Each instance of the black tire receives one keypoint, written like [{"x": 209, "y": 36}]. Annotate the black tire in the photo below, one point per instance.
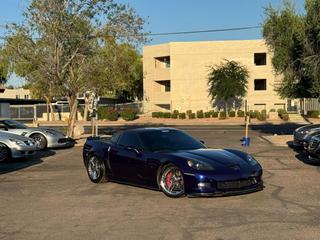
[
  {"x": 175, "y": 179},
  {"x": 95, "y": 169},
  {"x": 40, "y": 139},
  {"x": 4, "y": 153}
]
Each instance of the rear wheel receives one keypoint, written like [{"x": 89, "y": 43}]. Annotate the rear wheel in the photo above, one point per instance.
[
  {"x": 40, "y": 140},
  {"x": 96, "y": 169},
  {"x": 4, "y": 152},
  {"x": 171, "y": 181}
]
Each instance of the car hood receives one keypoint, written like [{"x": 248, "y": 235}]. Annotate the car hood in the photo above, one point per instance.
[
  {"x": 7, "y": 135},
  {"x": 218, "y": 158},
  {"x": 42, "y": 129},
  {"x": 308, "y": 127}
]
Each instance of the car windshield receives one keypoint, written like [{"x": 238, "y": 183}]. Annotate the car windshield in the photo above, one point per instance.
[
  {"x": 168, "y": 140},
  {"x": 14, "y": 124}
]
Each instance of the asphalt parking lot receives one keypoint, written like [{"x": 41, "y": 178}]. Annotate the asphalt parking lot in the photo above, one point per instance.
[{"x": 51, "y": 198}]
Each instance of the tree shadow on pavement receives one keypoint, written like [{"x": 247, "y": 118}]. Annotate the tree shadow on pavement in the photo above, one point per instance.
[
  {"x": 21, "y": 163},
  {"x": 280, "y": 129}
]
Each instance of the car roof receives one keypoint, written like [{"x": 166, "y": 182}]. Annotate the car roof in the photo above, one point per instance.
[{"x": 149, "y": 129}]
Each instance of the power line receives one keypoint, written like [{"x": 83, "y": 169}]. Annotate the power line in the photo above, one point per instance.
[{"x": 188, "y": 32}]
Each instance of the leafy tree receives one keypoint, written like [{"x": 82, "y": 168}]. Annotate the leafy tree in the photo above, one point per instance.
[
  {"x": 61, "y": 42},
  {"x": 294, "y": 40},
  {"x": 4, "y": 68},
  {"x": 228, "y": 83}
]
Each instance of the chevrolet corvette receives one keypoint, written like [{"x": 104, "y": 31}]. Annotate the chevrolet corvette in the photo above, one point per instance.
[{"x": 172, "y": 161}]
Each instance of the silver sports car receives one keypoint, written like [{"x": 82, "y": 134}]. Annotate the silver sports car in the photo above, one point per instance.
[
  {"x": 15, "y": 146},
  {"x": 45, "y": 137}
]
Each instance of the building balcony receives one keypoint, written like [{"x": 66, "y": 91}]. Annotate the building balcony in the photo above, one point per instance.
[{"x": 161, "y": 74}]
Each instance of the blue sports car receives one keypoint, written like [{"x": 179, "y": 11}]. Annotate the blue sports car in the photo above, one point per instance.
[{"x": 172, "y": 161}]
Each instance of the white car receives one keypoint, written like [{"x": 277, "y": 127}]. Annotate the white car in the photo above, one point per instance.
[{"x": 16, "y": 146}]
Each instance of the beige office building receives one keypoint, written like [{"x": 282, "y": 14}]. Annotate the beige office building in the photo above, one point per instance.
[{"x": 175, "y": 74}]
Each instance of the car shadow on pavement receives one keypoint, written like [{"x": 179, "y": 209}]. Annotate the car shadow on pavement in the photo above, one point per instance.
[
  {"x": 13, "y": 165},
  {"x": 302, "y": 155},
  {"x": 280, "y": 129}
]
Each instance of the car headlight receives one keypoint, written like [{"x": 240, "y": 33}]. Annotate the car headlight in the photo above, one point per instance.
[
  {"x": 52, "y": 133},
  {"x": 251, "y": 160},
  {"x": 18, "y": 142},
  {"x": 198, "y": 165}
]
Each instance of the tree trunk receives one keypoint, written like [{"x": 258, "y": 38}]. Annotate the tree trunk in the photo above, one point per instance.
[
  {"x": 53, "y": 117},
  {"x": 86, "y": 109},
  {"x": 73, "y": 103},
  {"x": 47, "y": 105},
  {"x": 226, "y": 109}
]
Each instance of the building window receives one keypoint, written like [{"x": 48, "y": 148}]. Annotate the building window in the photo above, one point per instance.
[
  {"x": 26, "y": 96},
  {"x": 260, "y": 59},
  {"x": 162, "y": 62},
  {"x": 260, "y": 84},
  {"x": 17, "y": 96},
  {"x": 165, "y": 85},
  {"x": 164, "y": 106}
]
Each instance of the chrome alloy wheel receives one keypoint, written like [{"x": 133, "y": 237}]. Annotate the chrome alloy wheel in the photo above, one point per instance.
[
  {"x": 94, "y": 168},
  {"x": 172, "y": 182}
]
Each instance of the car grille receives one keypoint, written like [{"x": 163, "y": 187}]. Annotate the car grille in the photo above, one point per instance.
[
  {"x": 236, "y": 184},
  {"x": 313, "y": 144}
]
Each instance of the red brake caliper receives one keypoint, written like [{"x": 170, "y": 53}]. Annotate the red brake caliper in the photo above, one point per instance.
[{"x": 168, "y": 179}]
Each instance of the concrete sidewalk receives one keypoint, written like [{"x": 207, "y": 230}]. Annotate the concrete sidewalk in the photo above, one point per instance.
[{"x": 279, "y": 140}]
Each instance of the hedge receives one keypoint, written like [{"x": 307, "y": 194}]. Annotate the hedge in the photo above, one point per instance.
[
  {"x": 313, "y": 114},
  {"x": 128, "y": 114},
  {"x": 200, "y": 114}
]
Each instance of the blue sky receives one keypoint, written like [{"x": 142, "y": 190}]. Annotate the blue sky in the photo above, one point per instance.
[{"x": 179, "y": 15}]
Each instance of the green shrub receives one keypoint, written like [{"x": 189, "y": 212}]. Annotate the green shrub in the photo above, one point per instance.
[
  {"x": 262, "y": 116},
  {"x": 232, "y": 114},
  {"x": 254, "y": 114},
  {"x": 174, "y": 115},
  {"x": 215, "y": 114},
  {"x": 313, "y": 114},
  {"x": 222, "y": 115},
  {"x": 240, "y": 113},
  {"x": 176, "y": 112},
  {"x": 283, "y": 114},
  {"x": 110, "y": 114},
  {"x": 200, "y": 114},
  {"x": 182, "y": 115},
  {"x": 128, "y": 114},
  {"x": 166, "y": 115},
  {"x": 207, "y": 114},
  {"x": 192, "y": 116},
  {"x": 264, "y": 111},
  {"x": 272, "y": 110},
  {"x": 157, "y": 114},
  {"x": 189, "y": 112},
  {"x": 281, "y": 111}
]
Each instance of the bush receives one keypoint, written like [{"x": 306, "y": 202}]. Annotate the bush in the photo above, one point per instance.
[
  {"x": 166, "y": 115},
  {"x": 108, "y": 113},
  {"x": 207, "y": 114},
  {"x": 264, "y": 111},
  {"x": 254, "y": 114},
  {"x": 262, "y": 116},
  {"x": 157, "y": 114},
  {"x": 189, "y": 112},
  {"x": 222, "y": 115},
  {"x": 200, "y": 114},
  {"x": 232, "y": 114},
  {"x": 192, "y": 116},
  {"x": 240, "y": 113},
  {"x": 174, "y": 115},
  {"x": 182, "y": 115},
  {"x": 215, "y": 114},
  {"x": 283, "y": 114},
  {"x": 272, "y": 110},
  {"x": 128, "y": 114},
  {"x": 313, "y": 114},
  {"x": 176, "y": 112}
]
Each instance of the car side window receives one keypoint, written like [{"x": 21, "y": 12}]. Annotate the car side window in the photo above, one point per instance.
[
  {"x": 130, "y": 140},
  {"x": 115, "y": 137}
]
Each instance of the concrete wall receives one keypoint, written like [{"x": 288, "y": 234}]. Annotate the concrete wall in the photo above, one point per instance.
[{"x": 189, "y": 67}]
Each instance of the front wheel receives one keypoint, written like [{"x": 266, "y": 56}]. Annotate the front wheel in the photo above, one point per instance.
[
  {"x": 96, "y": 170},
  {"x": 40, "y": 140},
  {"x": 4, "y": 152},
  {"x": 171, "y": 181}
]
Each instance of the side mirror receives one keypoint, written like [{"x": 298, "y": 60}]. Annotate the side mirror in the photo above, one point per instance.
[{"x": 134, "y": 149}]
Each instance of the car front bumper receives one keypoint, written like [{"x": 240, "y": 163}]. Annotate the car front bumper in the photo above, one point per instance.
[
  {"x": 209, "y": 186},
  {"x": 60, "y": 142},
  {"x": 23, "y": 151}
]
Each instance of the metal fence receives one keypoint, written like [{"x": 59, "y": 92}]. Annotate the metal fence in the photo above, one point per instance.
[
  {"x": 309, "y": 104},
  {"x": 31, "y": 112}
]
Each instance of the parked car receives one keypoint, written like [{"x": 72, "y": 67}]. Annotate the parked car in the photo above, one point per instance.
[
  {"x": 314, "y": 149},
  {"x": 46, "y": 137},
  {"x": 170, "y": 160},
  {"x": 303, "y": 135},
  {"x": 16, "y": 146}
]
